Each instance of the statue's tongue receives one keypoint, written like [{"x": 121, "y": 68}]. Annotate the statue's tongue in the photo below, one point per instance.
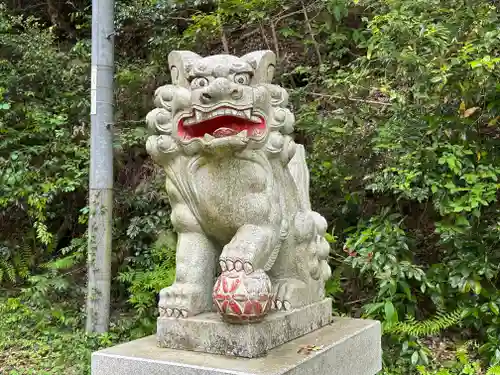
[{"x": 224, "y": 132}]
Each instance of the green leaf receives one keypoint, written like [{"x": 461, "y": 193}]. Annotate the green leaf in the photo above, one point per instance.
[
  {"x": 337, "y": 129},
  {"x": 391, "y": 315},
  {"x": 494, "y": 308},
  {"x": 414, "y": 358}
]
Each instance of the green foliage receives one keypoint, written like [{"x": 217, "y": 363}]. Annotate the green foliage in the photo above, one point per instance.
[
  {"x": 397, "y": 102},
  {"x": 42, "y": 154},
  {"x": 464, "y": 364},
  {"x": 146, "y": 283},
  {"x": 35, "y": 340}
]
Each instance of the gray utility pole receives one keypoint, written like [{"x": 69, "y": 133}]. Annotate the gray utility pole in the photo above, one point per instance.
[{"x": 101, "y": 167}]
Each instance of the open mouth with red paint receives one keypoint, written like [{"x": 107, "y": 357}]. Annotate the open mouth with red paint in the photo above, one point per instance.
[{"x": 221, "y": 122}]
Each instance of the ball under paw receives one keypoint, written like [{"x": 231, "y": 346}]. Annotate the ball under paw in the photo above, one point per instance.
[{"x": 242, "y": 298}]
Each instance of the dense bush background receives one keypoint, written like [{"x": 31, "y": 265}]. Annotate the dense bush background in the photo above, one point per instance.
[{"x": 397, "y": 102}]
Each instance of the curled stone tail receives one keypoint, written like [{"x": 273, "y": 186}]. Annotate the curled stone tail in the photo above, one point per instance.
[{"x": 300, "y": 173}]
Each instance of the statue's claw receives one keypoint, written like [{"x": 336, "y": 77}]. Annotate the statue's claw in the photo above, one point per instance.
[
  {"x": 229, "y": 264},
  {"x": 176, "y": 313},
  {"x": 248, "y": 268},
  {"x": 282, "y": 305}
]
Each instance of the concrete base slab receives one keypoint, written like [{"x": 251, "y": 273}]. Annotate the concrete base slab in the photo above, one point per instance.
[
  {"x": 344, "y": 347},
  {"x": 208, "y": 333}
]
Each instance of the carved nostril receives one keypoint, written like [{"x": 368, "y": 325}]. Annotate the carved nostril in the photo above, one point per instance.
[
  {"x": 236, "y": 93},
  {"x": 206, "y": 96}
]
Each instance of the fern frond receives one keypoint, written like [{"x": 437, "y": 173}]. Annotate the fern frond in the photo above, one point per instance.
[
  {"x": 63, "y": 263},
  {"x": 427, "y": 327},
  {"x": 463, "y": 351},
  {"x": 493, "y": 370},
  {"x": 26, "y": 252},
  {"x": 9, "y": 271},
  {"x": 20, "y": 265},
  {"x": 15, "y": 262},
  {"x": 22, "y": 260}
]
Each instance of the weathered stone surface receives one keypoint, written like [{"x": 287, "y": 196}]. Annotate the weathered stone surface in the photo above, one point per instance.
[
  {"x": 347, "y": 347},
  {"x": 207, "y": 333},
  {"x": 239, "y": 190}
]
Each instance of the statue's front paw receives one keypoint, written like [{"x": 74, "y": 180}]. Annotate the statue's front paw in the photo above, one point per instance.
[
  {"x": 238, "y": 256},
  {"x": 249, "y": 250},
  {"x": 183, "y": 300}
]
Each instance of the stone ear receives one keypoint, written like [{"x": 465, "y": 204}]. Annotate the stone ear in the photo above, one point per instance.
[
  {"x": 180, "y": 63},
  {"x": 263, "y": 63}
]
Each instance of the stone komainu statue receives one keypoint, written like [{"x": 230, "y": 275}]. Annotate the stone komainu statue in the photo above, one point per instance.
[{"x": 239, "y": 190}]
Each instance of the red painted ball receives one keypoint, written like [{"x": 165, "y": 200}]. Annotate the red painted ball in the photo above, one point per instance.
[{"x": 242, "y": 298}]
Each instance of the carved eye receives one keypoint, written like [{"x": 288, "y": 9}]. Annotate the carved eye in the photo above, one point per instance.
[
  {"x": 199, "y": 82},
  {"x": 242, "y": 78}
]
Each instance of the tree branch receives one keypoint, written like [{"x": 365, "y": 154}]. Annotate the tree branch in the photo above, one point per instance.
[
  {"x": 275, "y": 40},
  {"x": 326, "y": 96},
  {"x": 311, "y": 33},
  {"x": 223, "y": 36},
  {"x": 263, "y": 33}
]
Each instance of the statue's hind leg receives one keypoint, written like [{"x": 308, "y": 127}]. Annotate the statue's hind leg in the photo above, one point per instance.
[{"x": 301, "y": 270}]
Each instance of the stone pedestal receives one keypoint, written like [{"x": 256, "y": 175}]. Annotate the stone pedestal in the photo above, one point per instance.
[
  {"x": 343, "y": 347},
  {"x": 208, "y": 333}
]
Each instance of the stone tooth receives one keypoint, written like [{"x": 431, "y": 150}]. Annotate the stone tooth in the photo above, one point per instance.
[
  {"x": 199, "y": 115},
  {"x": 248, "y": 113},
  {"x": 208, "y": 137},
  {"x": 258, "y": 132},
  {"x": 243, "y": 134},
  {"x": 255, "y": 119}
]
